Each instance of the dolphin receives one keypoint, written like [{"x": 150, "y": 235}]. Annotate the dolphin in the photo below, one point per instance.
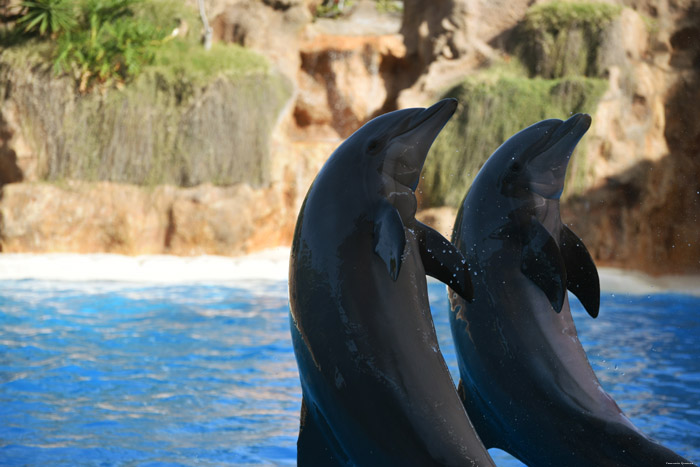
[
  {"x": 525, "y": 380},
  {"x": 376, "y": 389}
]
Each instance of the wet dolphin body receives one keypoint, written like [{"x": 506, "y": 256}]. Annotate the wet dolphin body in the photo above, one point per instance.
[
  {"x": 376, "y": 389},
  {"x": 525, "y": 379}
]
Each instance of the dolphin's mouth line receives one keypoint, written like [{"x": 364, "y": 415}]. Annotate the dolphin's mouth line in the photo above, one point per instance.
[
  {"x": 577, "y": 123},
  {"x": 549, "y": 141},
  {"x": 397, "y": 186},
  {"x": 405, "y": 168},
  {"x": 547, "y": 170},
  {"x": 430, "y": 111},
  {"x": 424, "y": 116}
]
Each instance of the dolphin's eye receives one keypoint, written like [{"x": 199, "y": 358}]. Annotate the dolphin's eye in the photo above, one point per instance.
[
  {"x": 373, "y": 146},
  {"x": 515, "y": 167}
]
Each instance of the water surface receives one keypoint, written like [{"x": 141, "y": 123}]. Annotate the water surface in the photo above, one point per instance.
[{"x": 105, "y": 373}]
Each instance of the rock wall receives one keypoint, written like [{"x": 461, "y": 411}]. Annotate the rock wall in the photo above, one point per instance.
[
  {"x": 633, "y": 192},
  {"x": 646, "y": 215},
  {"x": 126, "y": 219},
  {"x": 635, "y": 201}
]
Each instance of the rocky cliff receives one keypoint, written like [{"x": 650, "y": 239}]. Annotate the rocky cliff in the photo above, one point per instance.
[{"x": 633, "y": 192}]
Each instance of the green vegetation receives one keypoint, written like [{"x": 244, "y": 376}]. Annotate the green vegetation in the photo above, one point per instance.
[
  {"x": 651, "y": 24},
  {"x": 99, "y": 42},
  {"x": 389, "y": 6},
  {"x": 47, "y": 16},
  {"x": 163, "y": 112},
  {"x": 560, "y": 39},
  {"x": 556, "y": 71},
  {"x": 332, "y": 8},
  {"x": 560, "y": 16},
  {"x": 180, "y": 62},
  {"x": 495, "y": 106},
  {"x": 336, "y": 8},
  {"x": 108, "y": 44}
]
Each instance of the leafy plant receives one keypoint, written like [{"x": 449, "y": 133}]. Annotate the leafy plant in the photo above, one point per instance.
[
  {"x": 47, "y": 16},
  {"x": 110, "y": 44}
]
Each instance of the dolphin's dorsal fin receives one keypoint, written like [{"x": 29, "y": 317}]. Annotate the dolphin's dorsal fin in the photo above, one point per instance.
[
  {"x": 389, "y": 237},
  {"x": 581, "y": 274},
  {"x": 443, "y": 261},
  {"x": 543, "y": 264}
]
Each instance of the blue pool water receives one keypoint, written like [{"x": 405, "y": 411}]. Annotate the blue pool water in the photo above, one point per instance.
[{"x": 120, "y": 374}]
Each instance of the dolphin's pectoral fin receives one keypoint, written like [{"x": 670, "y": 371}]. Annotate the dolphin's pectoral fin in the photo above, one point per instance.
[
  {"x": 443, "y": 261},
  {"x": 389, "y": 237},
  {"x": 543, "y": 264},
  {"x": 312, "y": 446},
  {"x": 581, "y": 273}
]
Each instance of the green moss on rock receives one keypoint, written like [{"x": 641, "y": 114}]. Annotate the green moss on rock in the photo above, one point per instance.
[
  {"x": 493, "y": 108},
  {"x": 560, "y": 39},
  {"x": 556, "y": 16}
]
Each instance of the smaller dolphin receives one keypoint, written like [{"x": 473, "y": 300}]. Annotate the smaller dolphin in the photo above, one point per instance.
[
  {"x": 525, "y": 379},
  {"x": 376, "y": 389}
]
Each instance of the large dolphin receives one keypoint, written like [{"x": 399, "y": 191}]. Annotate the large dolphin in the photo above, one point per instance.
[
  {"x": 525, "y": 379},
  {"x": 376, "y": 389}
]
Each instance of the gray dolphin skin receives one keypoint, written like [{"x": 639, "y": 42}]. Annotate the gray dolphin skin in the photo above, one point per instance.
[
  {"x": 376, "y": 389},
  {"x": 525, "y": 380}
]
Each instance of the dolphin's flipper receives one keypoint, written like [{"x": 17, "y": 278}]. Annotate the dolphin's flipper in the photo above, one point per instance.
[
  {"x": 581, "y": 273},
  {"x": 443, "y": 261},
  {"x": 389, "y": 237},
  {"x": 312, "y": 447},
  {"x": 543, "y": 264}
]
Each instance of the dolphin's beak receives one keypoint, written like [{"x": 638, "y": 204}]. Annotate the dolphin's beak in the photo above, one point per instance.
[
  {"x": 409, "y": 150},
  {"x": 547, "y": 170}
]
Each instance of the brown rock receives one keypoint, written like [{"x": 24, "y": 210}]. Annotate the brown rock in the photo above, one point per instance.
[
  {"x": 80, "y": 217},
  {"x": 628, "y": 125},
  {"x": 343, "y": 80},
  {"x": 646, "y": 216},
  {"x": 449, "y": 38},
  {"x": 9, "y": 168},
  {"x": 455, "y": 29},
  {"x": 441, "y": 219},
  {"x": 269, "y": 28},
  {"x": 227, "y": 221},
  {"x": 18, "y": 159},
  {"x": 125, "y": 219},
  {"x": 640, "y": 210}
]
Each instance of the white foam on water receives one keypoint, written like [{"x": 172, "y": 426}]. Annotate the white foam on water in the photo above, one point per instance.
[
  {"x": 265, "y": 265},
  {"x": 613, "y": 280}
]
